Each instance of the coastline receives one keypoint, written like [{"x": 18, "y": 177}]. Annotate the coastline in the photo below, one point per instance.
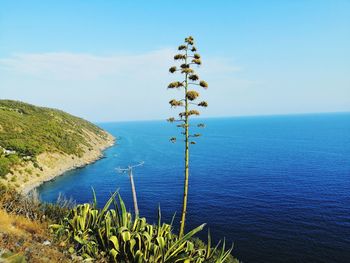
[
  {"x": 61, "y": 163},
  {"x": 55, "y": 164}
]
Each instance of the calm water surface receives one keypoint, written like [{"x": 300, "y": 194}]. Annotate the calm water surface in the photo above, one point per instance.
[{"x": 277, "y": 186}]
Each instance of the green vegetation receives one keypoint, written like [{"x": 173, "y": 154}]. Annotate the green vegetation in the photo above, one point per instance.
[
  {"x": 189, "y": 57},
  {"x": 6, "y": 162},
  {"x": 87, "y": 232},
  {"x": 27, "y": 130},
  {"x": 113, "y": 233}
]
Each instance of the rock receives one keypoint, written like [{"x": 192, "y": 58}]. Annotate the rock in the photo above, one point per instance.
[{"x": 46, "y": 243}]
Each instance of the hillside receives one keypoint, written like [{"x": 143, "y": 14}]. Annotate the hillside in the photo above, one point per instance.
[{"x": 37, "y": 143}]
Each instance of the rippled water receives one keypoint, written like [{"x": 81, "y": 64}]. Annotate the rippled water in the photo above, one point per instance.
[{"x": 277, "y": 186}]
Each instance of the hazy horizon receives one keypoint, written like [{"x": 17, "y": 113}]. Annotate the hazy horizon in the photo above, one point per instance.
[
  {"x": 230, "y": 116},
  {"x": 201, "y": 117}
]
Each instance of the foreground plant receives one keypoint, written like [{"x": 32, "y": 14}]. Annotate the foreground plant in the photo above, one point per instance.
[
  {"x": 189, "y": 58},
  {"x": 115, "y": 234}
]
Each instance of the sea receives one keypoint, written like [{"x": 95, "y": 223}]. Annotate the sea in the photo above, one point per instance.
[{"x": 276, "y": 187}]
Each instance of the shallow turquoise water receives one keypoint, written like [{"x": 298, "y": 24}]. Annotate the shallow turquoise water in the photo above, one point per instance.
[{"x": 276, "y": 186}]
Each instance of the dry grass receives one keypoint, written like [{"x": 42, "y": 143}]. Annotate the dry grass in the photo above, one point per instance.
[
  {"x": 28, "y": 226},
  {"x": 6, "y": 224},
  {"x": 24, "y": 232},
  {"x": 25, "y": 238}
]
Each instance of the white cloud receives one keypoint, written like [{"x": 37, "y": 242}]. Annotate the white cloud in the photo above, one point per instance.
[
  {"x": 114, "y": 87},
  {"x": 65, "y": 66},
  {"x": 133, "y": 86}
]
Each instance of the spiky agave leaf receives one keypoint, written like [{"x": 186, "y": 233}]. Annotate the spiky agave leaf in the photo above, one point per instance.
[
  {"x": 174, "y": 247},
  {"x": 94, "y": 203},
  {"x": 208, "y": 249}
]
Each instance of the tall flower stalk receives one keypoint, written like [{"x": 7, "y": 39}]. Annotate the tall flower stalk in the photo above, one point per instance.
[{"x": 188, "y": 58}]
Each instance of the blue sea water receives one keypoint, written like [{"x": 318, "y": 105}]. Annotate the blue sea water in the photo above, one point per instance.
[{"x": 276, "y": 186}]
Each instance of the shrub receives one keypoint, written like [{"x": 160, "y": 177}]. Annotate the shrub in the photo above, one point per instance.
[
  {"x": 29, "y": 171},
  {"x": 59, "y": 210},
  {"x": 4, "y": 166},
  {"x": 31, "y": 207},
  {"x": 15, "y": 203}
]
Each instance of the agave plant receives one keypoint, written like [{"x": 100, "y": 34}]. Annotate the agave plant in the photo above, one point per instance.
[
  {"x": 114, "y": 233},
  {"x": 188, "y": 103}
]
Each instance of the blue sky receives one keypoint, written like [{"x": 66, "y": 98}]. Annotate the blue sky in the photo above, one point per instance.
[{"x": 108, "y": 60}]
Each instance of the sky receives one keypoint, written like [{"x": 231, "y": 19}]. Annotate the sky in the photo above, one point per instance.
[{"x": 109, "y": 60}]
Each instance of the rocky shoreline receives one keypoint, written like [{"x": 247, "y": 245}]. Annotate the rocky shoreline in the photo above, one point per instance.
[
  {"x": 56, "y": 164},
  {"x": 52, "y": 165}
]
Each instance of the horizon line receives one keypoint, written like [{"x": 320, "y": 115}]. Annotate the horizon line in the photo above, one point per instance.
[{"x": 235, "y": 116}]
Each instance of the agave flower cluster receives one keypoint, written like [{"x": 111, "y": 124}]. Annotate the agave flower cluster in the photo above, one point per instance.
[{"x": 188, "y": 58}]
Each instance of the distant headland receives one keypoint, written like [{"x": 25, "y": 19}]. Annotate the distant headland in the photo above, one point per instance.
[{"x": 37, "y": 144}]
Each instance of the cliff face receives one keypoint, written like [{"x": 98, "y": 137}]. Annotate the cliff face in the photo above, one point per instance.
[{"x": 37, "y": 144}]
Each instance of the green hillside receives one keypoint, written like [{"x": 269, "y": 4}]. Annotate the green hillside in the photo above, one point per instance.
[{"x": 27, "y": 130}]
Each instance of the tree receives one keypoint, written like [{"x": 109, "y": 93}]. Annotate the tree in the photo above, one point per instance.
[{"x": 188, "y": 57}]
